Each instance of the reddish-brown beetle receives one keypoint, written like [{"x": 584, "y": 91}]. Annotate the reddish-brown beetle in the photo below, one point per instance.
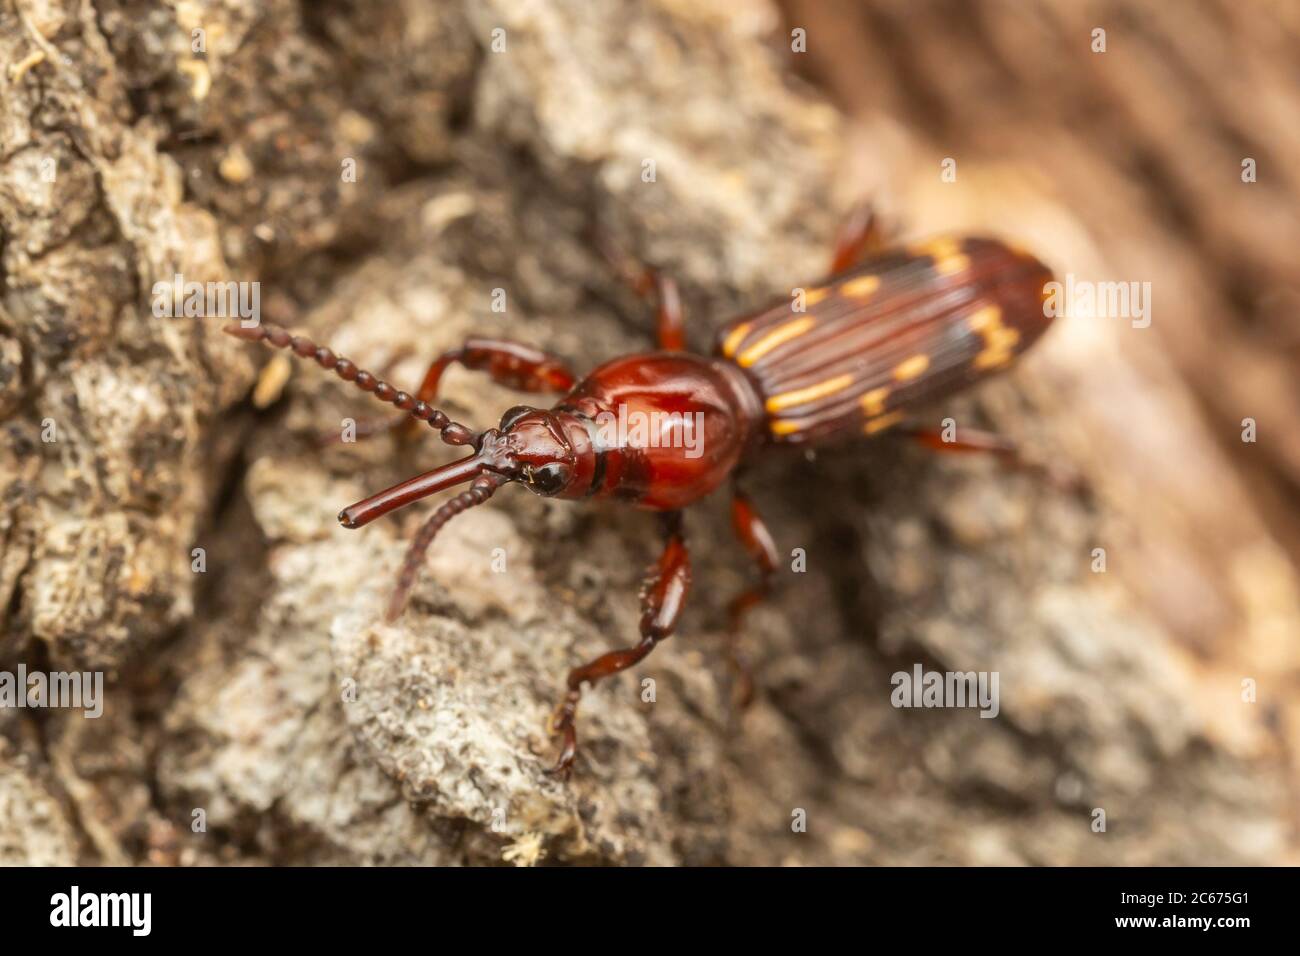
[{"x": 847, "y": 357}]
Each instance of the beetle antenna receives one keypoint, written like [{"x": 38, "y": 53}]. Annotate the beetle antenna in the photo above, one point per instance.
[
  {"x": 453, "y": 433},
  {"x": 480, "y": 491}
]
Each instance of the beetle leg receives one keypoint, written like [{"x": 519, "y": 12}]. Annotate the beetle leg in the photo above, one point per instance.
[
  {"x": 508, "y": 363},
  {"x": 663, "y": 594},
  {"x": 860, "y": 233},
  {"x": 670, "y": 319},
  {"x": 753, "y": 534},
  {"x": 670, "y": 323},
  {"x": 974, "y": 440}
]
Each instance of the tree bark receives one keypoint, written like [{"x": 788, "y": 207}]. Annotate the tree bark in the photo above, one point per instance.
[{"x": 381, "y": 170}]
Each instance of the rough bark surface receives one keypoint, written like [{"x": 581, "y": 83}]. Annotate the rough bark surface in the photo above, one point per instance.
[{"x": 265, "y": 691}]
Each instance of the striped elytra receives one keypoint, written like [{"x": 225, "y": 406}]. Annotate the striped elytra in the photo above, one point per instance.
[{"x": 904, "y": 328}]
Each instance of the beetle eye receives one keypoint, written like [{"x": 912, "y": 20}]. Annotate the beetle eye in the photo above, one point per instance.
[
  {"x": 513, "y": 415},
  {"x": 549, "y": 479}
]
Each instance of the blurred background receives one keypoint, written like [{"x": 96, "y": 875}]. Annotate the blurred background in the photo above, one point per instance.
[
  {"x": 1127, "y": 164},
  {"x": 381, "y": 171}
]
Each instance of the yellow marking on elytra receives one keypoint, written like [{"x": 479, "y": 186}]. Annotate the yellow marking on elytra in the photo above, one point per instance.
[
  {"x": 999, "y": 340},
  {"x": 912, "y": 367},
  {"x": 813, "y": 296},
  {"x": 733, "y": 340},
  {"x": 883, "y": 422},
  {"x": 784, "y": 426},
  {"x": 861, "y": 287},
  {"x": 873, "y": 402},
  {"x": 778, "y": 336},
  {"x": 946, "y": 253},
  {"x": 801, "y": 395}
]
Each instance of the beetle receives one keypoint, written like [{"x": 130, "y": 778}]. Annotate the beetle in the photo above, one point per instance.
[{"x": 888, "y": 330}]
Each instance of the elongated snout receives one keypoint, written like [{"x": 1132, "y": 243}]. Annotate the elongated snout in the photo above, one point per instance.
[{"x": 413, "y": 489}]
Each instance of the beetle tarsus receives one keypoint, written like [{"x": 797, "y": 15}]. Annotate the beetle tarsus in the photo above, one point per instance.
[{"x": 662, "y": 597}]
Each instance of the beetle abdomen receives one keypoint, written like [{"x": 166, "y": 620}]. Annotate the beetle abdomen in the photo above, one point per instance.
[{"x": 905, "y": 328}]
